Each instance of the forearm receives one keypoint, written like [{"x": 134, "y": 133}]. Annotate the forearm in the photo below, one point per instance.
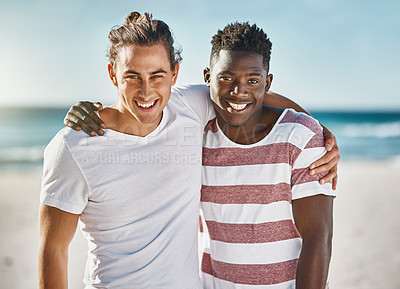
[
  {"x": 313, "y": 264},
  {"x": 53, "y": 267},
  {"x": 277, "y": 100}
]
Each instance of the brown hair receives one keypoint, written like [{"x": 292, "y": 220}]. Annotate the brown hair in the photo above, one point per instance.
[{"x": 142, "y": 29}]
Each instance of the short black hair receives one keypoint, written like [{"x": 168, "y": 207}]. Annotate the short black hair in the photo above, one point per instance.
[{"x": 242, "y": 37}]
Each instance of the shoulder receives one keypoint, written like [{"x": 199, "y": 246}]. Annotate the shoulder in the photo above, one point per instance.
[
  {"x": 191, "y": 93},
  {"x": 303, "y": 130},
  {"x": 302, "y": 120},
  {"x": 67, "y": 138},
  {"x": 70, "y": 136},
  {"x": 186, "y": 94},
  {"x": 188, "y": 90},
  {"x": 196, "y": 97}
]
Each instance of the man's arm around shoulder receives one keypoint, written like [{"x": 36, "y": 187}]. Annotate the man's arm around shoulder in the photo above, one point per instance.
[{"x": 57, "y": 228}]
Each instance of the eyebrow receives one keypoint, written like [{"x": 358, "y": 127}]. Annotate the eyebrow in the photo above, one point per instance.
[
  {"x": 226, "y": 72},
  {"x": 152, "y": 73},
  {"x": 250, "y": 74},
  {"x": 255, "y": 74}
]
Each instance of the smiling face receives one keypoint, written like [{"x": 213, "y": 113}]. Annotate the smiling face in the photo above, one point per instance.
[
  {"x": 144, "y": 78},
  {"x": 238, "y": 81}
]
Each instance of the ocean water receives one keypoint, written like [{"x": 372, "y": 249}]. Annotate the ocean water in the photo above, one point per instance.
[
  {"x": 364, "y": 135},
  {"x": 24, "y": 133}
]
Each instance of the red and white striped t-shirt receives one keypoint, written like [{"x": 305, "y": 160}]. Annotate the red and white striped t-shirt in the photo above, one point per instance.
[{"x": 246, "y": 198}]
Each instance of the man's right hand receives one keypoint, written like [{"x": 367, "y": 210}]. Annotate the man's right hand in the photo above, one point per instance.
[{"x": 82, "y": 116}]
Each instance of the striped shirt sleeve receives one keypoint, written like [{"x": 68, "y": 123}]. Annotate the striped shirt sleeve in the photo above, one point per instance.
[{"x": 304, "y": 185}]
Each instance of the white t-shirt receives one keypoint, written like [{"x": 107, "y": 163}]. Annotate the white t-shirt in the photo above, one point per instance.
[{"x": 138, "y": 197}]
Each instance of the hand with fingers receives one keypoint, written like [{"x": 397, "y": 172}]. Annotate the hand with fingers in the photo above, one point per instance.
[
  {"x": 329, "y": 162},
  {"x": 82, "y": 116}
]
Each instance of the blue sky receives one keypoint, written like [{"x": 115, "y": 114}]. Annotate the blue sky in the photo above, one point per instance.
[{"x": 325, "y": 55}]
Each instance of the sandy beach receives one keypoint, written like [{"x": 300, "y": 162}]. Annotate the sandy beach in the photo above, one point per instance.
[{"x": 366, "y": 252}]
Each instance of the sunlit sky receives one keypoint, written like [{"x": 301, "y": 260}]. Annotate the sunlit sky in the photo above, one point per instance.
[{"x": 334, "y": 54}]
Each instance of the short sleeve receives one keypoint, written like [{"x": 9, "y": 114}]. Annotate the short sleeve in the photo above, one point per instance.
[
  {"x": 63, "y": 185},
  {"x": 198, "y": 99},
  {"x": 304, "y": 185}
]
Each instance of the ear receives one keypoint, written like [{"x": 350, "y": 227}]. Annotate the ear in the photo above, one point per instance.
[
  {"x": 268, "y": 82},
  {"x": 207, "y": 76},
  {"x": 112, "y": 75},
  {"x": 175, "y": 73}
]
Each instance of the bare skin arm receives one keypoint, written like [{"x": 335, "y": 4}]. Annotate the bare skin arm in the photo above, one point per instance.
[
  {"x": 313, "y": 218},
  {"x": 57, "y": 228},
  {"x": 330, "y": 160},
  {"x": 278, "y": 100}
]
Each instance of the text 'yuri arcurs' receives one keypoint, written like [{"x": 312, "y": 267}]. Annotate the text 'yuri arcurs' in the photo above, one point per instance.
[{"x": 142, "y": 158}]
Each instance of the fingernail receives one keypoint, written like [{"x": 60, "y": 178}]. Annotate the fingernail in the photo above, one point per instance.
[
  {"x": 322, "y": 182},
  {"x": 312, "y": 166},
  {"x": 328, "y": 147},
  {"x": 103, "y": 125},
  {"x": 101, "y": 132},
  {"x": 312, "y": 173},
  {"x": 92, "y": 133}
]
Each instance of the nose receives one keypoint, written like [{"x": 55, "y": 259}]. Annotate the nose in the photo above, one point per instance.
[
  {"x": 145, "y": 89},
  {"x": 239, "y": 90}
]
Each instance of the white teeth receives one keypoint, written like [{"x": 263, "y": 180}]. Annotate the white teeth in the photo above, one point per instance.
[
  {"x": 237, "y": 106},
  {"x": 145, "y": 105}
]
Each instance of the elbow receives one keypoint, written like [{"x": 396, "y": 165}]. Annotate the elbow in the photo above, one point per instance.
[
  {"x": 327, "y": 242},
  {"x": 320, "y": 240},
  {"x": 51, "y": 253}
]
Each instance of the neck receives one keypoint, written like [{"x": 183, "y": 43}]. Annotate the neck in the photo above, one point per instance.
[
  {"x": 253, "y": 130},
  {"x": 117, "y": 118}
]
